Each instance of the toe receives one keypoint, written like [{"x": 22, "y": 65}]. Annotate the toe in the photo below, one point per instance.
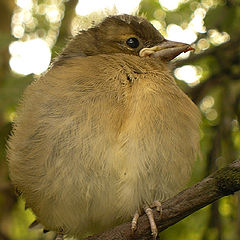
[
  {"x": 158, "y": 206},
  {"x": 134, "y": 221},
  {"x": 150, "y": 216}
]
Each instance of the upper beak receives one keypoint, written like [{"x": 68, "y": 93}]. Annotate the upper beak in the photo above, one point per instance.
[{"x": 166, "y": 50}]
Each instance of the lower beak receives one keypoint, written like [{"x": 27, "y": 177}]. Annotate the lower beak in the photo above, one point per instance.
[{"x": 166, "y": 50}]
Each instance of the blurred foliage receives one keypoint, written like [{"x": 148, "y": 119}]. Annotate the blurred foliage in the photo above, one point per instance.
[{"x": 217, "y": 94}]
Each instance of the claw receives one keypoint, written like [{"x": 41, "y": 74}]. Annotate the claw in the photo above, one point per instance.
[{"x": 134, "y": 221}]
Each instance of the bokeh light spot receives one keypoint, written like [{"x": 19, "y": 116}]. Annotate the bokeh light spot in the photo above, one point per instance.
[
  {"x": 53, "y": 14},
  {"x": 18, "y": 31},
  {"x": 207, "y": 103},
  {"x": 217, "y": 38},
  {"x": 203, "y": 44},
  {"x": 188, "y": 74},
  {"x": 31, "y": 56},
  {"x": 156, "y": 24},
  {"x": 84, "y": 8},
  {"x": 170, "y": 5},
  {"x": 211, "y": 114},
  {"x": 26, "y": 4},
  {"x": 176, "y": 33}
]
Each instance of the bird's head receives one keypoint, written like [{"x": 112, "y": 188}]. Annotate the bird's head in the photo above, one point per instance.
[{"x": 124, "y": 34}]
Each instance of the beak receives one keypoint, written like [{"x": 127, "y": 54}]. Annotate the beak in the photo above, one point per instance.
[{"x": 166, "y": 50}]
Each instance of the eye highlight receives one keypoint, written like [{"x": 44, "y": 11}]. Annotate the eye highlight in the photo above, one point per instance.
[{"x": 132, "y": 42}]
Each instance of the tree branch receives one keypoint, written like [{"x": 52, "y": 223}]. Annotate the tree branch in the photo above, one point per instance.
[{"x": 221, "y": 183}]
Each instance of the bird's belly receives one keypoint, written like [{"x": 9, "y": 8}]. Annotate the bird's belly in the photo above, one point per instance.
[
  {"x": 106, "y": 190},
  {"x": 93, "y": 177},
  {"x": 100, "y": 199}
]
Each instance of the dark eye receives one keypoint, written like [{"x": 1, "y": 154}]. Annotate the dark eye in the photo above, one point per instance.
[{"x": 132, "y": 42}]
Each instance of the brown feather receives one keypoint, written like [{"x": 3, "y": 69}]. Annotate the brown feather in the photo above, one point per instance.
[{"x": 103, "y": 132}]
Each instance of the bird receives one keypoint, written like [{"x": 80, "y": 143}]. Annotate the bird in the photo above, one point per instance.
[{"x": 106, "y": 132}]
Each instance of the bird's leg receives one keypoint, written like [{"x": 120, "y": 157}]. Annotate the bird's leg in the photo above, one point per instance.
[
  {"x": 59, "y": 236},
  {"x": 149, "y": 213}
]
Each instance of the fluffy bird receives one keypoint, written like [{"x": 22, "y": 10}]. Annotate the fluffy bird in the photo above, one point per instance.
[{"x": 105, "y": 132}]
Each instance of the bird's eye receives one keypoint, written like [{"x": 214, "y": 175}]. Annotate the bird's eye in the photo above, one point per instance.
[{"x": 132, "y": 42}]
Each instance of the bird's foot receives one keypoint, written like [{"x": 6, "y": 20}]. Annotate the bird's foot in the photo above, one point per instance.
[
  {"x": 134, "y": 221},
  {"x": 59, "y": 236},
  {"x": 148, "y": 211},
  {"x": 157, "y": 204}
]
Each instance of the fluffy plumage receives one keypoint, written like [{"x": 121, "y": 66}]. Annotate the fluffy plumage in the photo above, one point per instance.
[{"x": 103, "y": 132}]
